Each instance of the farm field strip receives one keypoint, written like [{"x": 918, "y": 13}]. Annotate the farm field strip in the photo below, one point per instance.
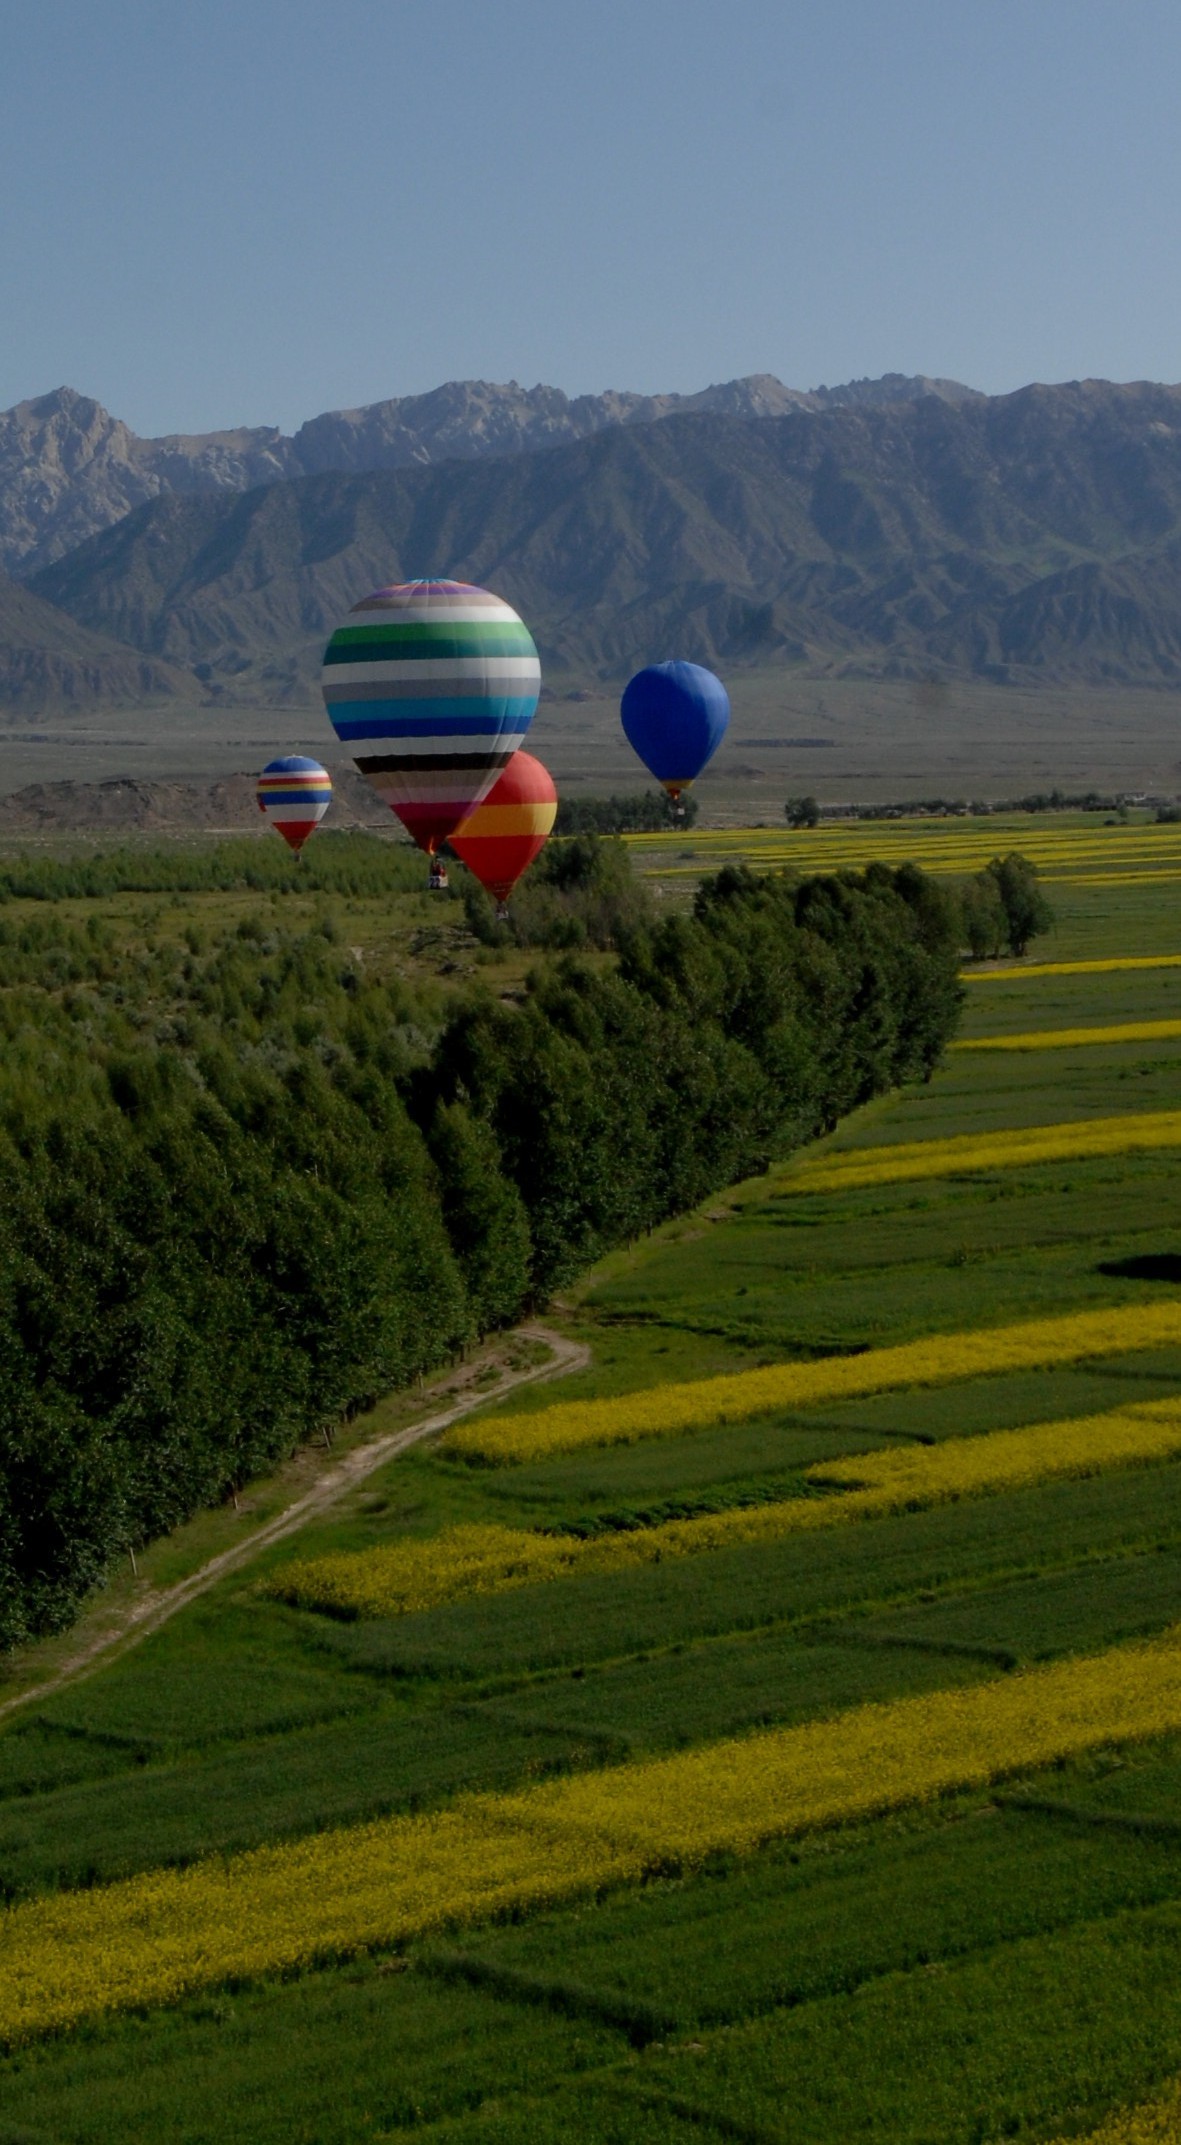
[
  {"x": 939, "y": 1359},
  {"x": 658, "y": 1716},
  {"x": 1130, "y": 877},
  {"x": 1131, "y": 1031},
  {"x": 856, "y": 1167},
  {"x": 1073, "y": 857},
  {"x": 921, "y": 830},
  {"x": 1022, "y": 971},
  {"x": 835, "y": 852},
  {"x": 1132, "y": 872},
  {"x": 1151, "y": 2122},
  {"x": 403, "y": 1578},
  {"x": 152, "y": 1939},
  {"x": 931, "y": 838}
]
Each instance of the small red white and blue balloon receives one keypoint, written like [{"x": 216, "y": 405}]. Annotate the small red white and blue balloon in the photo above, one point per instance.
[{"x": 294, "y": 794}]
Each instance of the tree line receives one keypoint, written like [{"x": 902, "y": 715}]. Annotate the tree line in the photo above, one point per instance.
[
  {"x": 644, "y": 812},
  {"x": 246, "y": 1188},
  {"x": 335, "y": 863},
  {"x": 583, "y": 892}
]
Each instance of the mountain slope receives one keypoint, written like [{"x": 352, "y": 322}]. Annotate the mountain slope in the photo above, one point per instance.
[
  {"x": 1037, "y": 533},
  {"x": 68, "y": 469},
  {"x": 48, "y": 660}
]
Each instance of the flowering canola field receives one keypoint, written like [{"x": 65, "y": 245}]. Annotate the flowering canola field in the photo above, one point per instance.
[
  {"x": 1071, "y": 854},
  {"x": 404, "y": 1577},
  {"x": 1114, "y": 964},
  {"x": 1130, "y": 1031},
  {"x": 704, "y": 1403},
  {"x": 68, "y": 1956},
  {"x": 1131, "y": 875},
  {"x": 1153, "y": 2122},
  {"x": 156, "y": 1937},
  {"x": 913, "y": 1159}
]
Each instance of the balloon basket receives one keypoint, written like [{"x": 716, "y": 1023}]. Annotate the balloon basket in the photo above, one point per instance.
[{"x": 438, "y": 881}]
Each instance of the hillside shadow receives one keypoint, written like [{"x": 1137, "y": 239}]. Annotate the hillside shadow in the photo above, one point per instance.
[{"x": 1145, "y": 1266}]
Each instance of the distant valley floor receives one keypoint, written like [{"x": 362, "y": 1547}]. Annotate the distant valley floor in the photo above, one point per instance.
[{"x": 837, "y": 739}]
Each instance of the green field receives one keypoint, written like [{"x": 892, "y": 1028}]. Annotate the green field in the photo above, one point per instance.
[{"x": 996, "y": 1962}]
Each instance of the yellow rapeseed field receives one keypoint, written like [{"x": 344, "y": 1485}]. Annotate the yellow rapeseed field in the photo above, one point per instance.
[
  {"x": 153, "y": 1938},
  {"x": 1021, "y": 969},
  {"x": 907, "y": 1477},
  {"x": 949, "y": 845},
  {"x": 703, "y": 1403},
  {"x": 858, "y": 1166},
  {"x": 1153, "y": 2122},
  {"x": 1130, "y": 1031},
  {"x": 1131, "y": 877},
  {"x": 404, "y": 1577}
]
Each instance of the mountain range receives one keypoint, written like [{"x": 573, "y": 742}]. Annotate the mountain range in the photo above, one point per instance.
[
  {"x": 898, "y": 528},
  {"x": 68, "y": 468}
]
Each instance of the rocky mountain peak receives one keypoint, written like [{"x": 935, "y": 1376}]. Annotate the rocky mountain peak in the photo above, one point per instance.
[{"x": 68, "y": 469}]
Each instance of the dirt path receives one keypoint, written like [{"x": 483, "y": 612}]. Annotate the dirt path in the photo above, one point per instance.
[{"x": 154, "y": 1608}]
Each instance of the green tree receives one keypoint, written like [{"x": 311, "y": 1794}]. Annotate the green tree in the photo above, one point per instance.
[
  {"x": 985, "y": 926},
  {"x": 1027, "y": 912},
  {"x": 802, "y": 812},
  {"x": 483, "y": 1214}
]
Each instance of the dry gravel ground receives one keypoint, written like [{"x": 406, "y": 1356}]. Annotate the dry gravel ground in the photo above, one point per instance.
[{"x": 840, "y": 739}]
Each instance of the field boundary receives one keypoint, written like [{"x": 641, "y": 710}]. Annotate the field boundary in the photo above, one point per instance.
[{"x": 152, "y": 1610}]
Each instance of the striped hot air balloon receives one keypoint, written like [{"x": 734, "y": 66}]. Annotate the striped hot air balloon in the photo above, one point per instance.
[
  {"x": 294, "y": 794},
  {"x": 431, "y": 685},
  {"x": 504, "y": 834}
]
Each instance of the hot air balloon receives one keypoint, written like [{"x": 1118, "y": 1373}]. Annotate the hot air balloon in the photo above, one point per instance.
[
  {"x": 675, "y": 717},
  {"x": 431, "y": 685},
  {"x": 504, "y": 834},
  {"x": 294, "y": 795}
]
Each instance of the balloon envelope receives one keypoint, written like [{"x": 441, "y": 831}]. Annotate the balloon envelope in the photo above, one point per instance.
[
  {"x": 294, "y": 793},
  {"x": 512, "y": 825},
  {"x": 431, "y": 685},
  {"x": 675, "y": 717}
]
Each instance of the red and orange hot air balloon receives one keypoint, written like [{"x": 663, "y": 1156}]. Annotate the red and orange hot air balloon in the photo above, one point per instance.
[{"x": 500, "y": 839}]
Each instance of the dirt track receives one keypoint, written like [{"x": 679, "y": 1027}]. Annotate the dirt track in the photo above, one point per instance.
[{"x": 152, "y": 1609}]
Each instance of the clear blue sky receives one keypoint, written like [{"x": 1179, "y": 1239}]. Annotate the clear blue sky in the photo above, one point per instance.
[{"x": 248, "y": 211}]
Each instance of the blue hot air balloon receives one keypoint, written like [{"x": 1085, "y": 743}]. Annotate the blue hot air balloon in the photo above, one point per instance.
[{"x": 675, "y": 716}]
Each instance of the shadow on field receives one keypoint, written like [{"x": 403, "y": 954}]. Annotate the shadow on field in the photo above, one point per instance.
[{"x": 1145, "y": 1266}]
